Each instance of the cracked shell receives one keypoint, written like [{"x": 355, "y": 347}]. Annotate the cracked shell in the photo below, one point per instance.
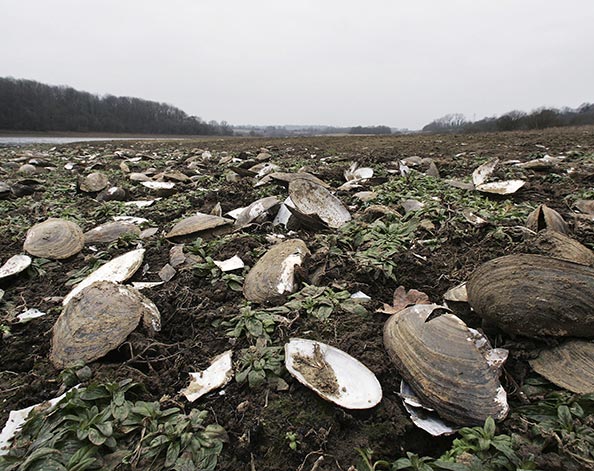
[
  {"x": 55, "y": 239},
  {"x": 198, "y": 223},
  {"x": 313, "y": 201},
  {"x": 534, "y": 295},
  {"x": 441, "y": 359},
  {"x": 273, "y": 276},
  {"x": 97, "y": 320}
]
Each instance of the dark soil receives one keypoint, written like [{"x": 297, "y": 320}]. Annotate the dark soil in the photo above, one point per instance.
[{"x": 190, "y": 304}]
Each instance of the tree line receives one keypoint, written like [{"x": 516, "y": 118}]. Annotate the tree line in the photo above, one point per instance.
[
  {"x": 516, "y": 120},
  {"x": 26, "y": 105}
]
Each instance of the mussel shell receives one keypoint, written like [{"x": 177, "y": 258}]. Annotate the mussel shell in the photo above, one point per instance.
[
  {"x": 272, "y": 277},
  {"x": 558, "y": 245},
  {"x": 314, "y": 201},
  {"x": 198, "y": 223},
  {"x": 534, "y": 295},
  {"x": 15, "y": 265},
  {"x": 256, "y": 211},
  {"x": 570, "y": 365},
  {"x": 439, "y": 359},
  {"x": 110, "y": 232},
  {"x": 544, "y": 217},
  {"x": 97, "y": 320},
  {"x": 93, "y": 182},
  {"x": 54, "y": 239}
]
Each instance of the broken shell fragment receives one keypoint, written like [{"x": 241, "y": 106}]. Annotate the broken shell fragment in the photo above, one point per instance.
[
  {"x": 585, "y": 206},
  {"x": 256, "y": 212},
  {"x": 273, "y": 276},
  {"x": 198, "y": 223},
  {"x": 423, "y": 417},
  {"x": 93, "y": 183},
  {"x": 545, "y": 218},
  {"x": 97, "y": 320},
  {"x": 570, "y": 365},
  {"x": 354, "y": 172},
  {"x": 534, "y": 295},
  {"x": 313, "y": 201},
  {"x": 332, "y": 374},
  {"x": 117, "y": 270},
  {"x": 501, "y": 188},
  {"x": 457, "y": 294},
  {"x": 215, "y": 376},
  {"x": 109, "y": 232},
  {"x": 54, "y": 239},
  {"x": 15, "y": 265},
  {"x": 445, "y": 365},
  {"x": 482, "y": 173},
  {"x": 558, "y": 245}
]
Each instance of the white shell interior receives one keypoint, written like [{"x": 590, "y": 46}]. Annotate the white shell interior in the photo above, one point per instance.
[
  {"x": 422, "y": 416},
  {"x": 14, "y": 265},
  {"x": 215, "y": 376},
  {"x": 501, "y": 188},
  {"x": 117, "y": 270},
  {"x": 358, "y": 386}
]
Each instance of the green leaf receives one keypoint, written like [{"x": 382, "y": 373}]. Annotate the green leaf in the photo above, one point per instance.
[
  {"x": 489, "y": 427},
  {"x": 95, "y": 437},
  {"x": 106, "y": 428},
  {"x": 172, "y": 454},
  {"x": 256, "y": 378},
  {"x": 565, "y": 419}
]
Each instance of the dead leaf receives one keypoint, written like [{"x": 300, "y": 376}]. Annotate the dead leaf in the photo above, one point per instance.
[{"x": 404, "y": 298}]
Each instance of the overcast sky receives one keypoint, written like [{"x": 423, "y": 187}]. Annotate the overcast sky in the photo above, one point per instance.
[{"x": 336, "y": 62}]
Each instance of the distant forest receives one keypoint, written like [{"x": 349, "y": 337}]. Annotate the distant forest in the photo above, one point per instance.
[
  {"x": 26, "y": 105},
  {"x": 516, "y": 120}
]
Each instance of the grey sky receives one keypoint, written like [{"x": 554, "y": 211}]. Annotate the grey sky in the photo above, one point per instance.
[{"x": 310, "y": 62}]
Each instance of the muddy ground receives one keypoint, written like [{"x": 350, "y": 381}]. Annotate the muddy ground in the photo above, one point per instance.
[{"x": 191, "y": 304}]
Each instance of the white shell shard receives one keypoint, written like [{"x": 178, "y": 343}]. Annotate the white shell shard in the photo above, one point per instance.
[
  {"x": 14, "y": 265},
  {"x": 473, "y": 218},
  {"x": 215, "y": 376},
  {"x": 159, "y": 185},
  {"x": 423, "y": 417},
  {"x": 117, "y": 270},
  {"x": 131, "y": 219},
  {"x": 354, "y": 172},
  {"x": 235, "y": 212},
  {"x": 457, "y": 294},
  {"x": 30, "y": 314},
  {"x": 284, "y": 215},
  {"x": 501, "y": 188},
  {"x": 312, "y": 201},
  {"x": 482, "y": 173},
  {"x": 332, "y": 373},
  {"x": 141, "y": 203},
  {"x": 17, "y": 418},
  {"x": 233, "y": 263},
  {"x": 140, "y": 285},
  {"x": 360, "y": 295}
]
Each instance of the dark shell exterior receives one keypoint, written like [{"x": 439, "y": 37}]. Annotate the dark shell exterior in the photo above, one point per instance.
[
  {"x": 55, "y": 239},
  {"x": 440, "y": 361},
  {"x": 197, "y": 223},
  {"x": 555, "y": 244},
  {"x": 534, "y": 295},
  {"x": 544, "y": 217},
  {"x": 109, "y": 232},
  {"x": 570, "y": 366},
  {"x": 96, "y": 321},
  {"x": 313, "y": 200},
  {"x": 93, "y": 182},
  {"x": 272, "y": 277}
]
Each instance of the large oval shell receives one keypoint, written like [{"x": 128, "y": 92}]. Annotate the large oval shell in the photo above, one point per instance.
[
  {"x": 55, "y": 239},
  {"x": 116, "y": 270},
  {"x": 570, "y": 366},
  {"x": 198, "y": 223},
  {"x": 544, "y": 217},
  {"x": 313, "y": 200},
  {"x": 439, "y": 358},
  {"x": 534, "y": 295},
  {"x": 332, "y": 373},
  {"x": 555, "y": 244},
  {"x": 96, "y": 321},
  {"x": 272, "y": 277},
  {"x": 110, "y": 232},
  {"x": 93, "y": 182}
]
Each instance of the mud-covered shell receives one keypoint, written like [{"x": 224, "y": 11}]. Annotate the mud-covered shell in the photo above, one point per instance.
[
  {"x": 93, "y": 182},
  {"x": 198, "y": 223},
  {"x": 332, "y": 373},
  {"x": 545, "y": 218},
  {"x": 54, "y": 239},
  {"x": 110, "y": 232},
  {"x": 555, "y": 244},
  {"x": 440, "y": 360},
  {"x": 116, "y": 270},
  {"x": 570, "y": 365},
  {"x": 96, "y": 321},
  {"x": 272, "y": 277},
  {"x": 313, "y": 200},
  {"x": 534, "y": 295}
]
